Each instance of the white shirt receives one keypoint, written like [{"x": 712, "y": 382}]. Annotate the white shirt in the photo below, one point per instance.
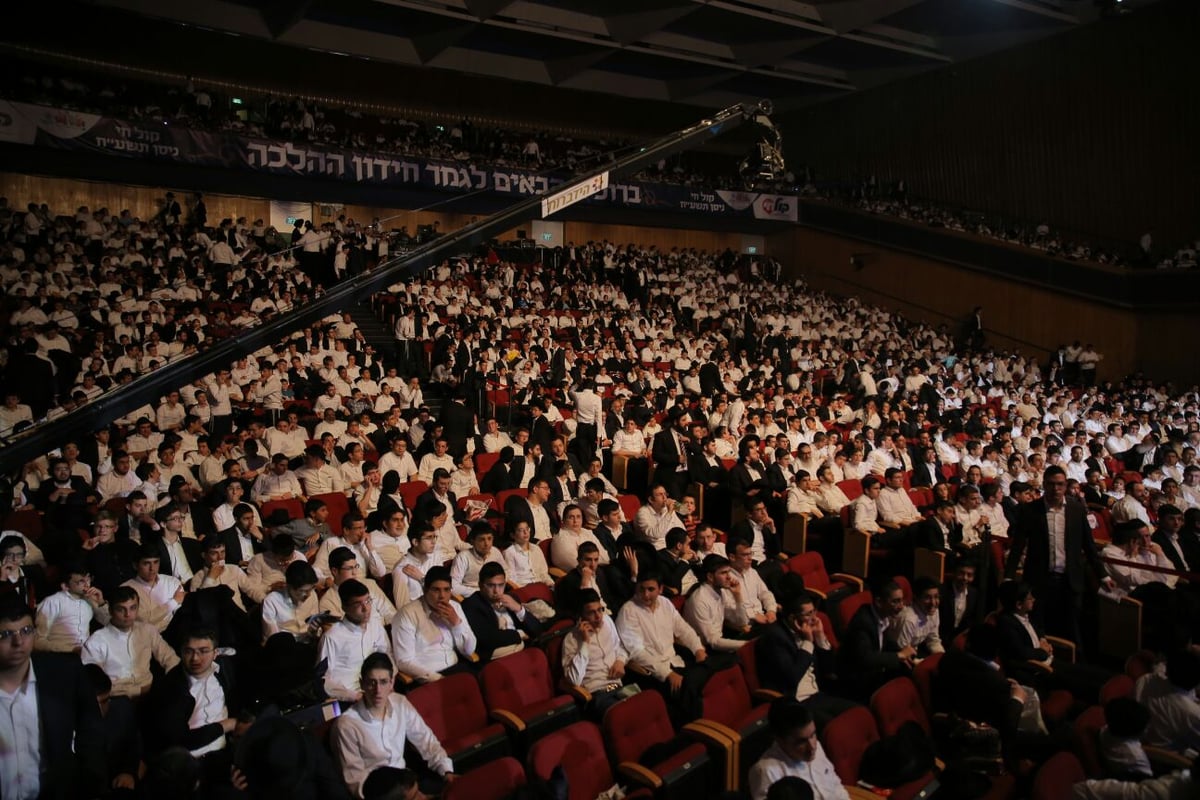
[
  {"x": 464, "y": 571},
  {"x": 210, "y": 707},
  {"x": 63, "y": 623},
  {"x": 709, "y": 611},
  {"x": 1056, "y": 526},
  {"x": 564, "y": 547},
  {"x": 125, "y": 656},
  {"x": 368, "y": 560},
  {"x": 424, "y": 647},
  {"x": 1174, "y": 713},
  {"x": 281, "y": 615},
  {"x": 156, "y": 604},
  {"x": 916, "y": 628},
  {"x": 233, "y": 577},
  {"x": 653, "y": 525},
  {"x": 818, "y": 773},
  {"x": 20, "y": 742},
  {"x": 389, "y": 549},
  {"x": 587, "y": 664},
  {"x": 650, "y": 634},
  {"x": 364, "y": 743},
  {"x": 345, "y": 646},
  {"x": 526, "y": 565},
  {"x": 413, "y": 588},
  {"x": 756, "y": 597}
]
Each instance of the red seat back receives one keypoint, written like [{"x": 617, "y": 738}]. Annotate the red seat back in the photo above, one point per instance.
[
  {"x": 633, "y": 725},
  {"x": 905, "y": 588},
  {"x": 629, "y": 505},
  {"x": 517, "y": 681},
  {"x": 410, "y": 491},
  {"x": 847, "y": 608},
  {"x": 28, "y": 521},
  {"x": 534, "y": 591},
  {"x": 748, "y": 662},
  {"x": 726, "y": 698},
  {"x": 811, "y": 567},
  {"x": 484, "y": 463},
  {"x": 1057, "y": 777},
  {"x": 451, "y": 707},
  {"x": 579, "y": 748},
  {"x": 923, "y": 675},
  {"x": 492, "y": 781},
  {"x": 898, "y": 702},
  {"x": 1116, "y": 686},
  {"x": 852, "y": 489},
  {"x": 846, "y": 738},
  {"x": 338, "y": 507},
  {"x": 294, "y": 508},
  {"x": 1140, "y": 663}
]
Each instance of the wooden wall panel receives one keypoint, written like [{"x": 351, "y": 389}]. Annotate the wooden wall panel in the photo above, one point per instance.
[
  {"x": 65, "y": 195},
  {"x": 1091, "y": 131},
  {"x": 1017, "y": 316}
]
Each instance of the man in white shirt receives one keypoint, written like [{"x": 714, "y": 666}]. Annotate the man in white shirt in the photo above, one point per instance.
[
  {"x": 649, "y": 626},
  {"x": 159, "y": 595},
  {"x": 347, "y": 644},
  {"x": 408, "y": 576},
  {"x": 390, "y": 541},
  {"x": 495, "y": 440},
  {"x": 124, "y": 647},
  {"x": 430, "y": 633},
  {"x": 796, "y": 752},
  {"x": 192, "y": 702},
  {"x": 64, "y": 618},
  {"x": 658, "y": 516},
  {"x": 1171, "y": 700},
  {"x": 354, "y": 537},
  {"x": 716, "y": 605},
  {"x": 399, "y": 460},
  {"x": 317, "y": 476},
  {"x": 376, "y": 730},
  {"x": 592, "y": 654},
  {"x": 292, "y": 609},
  {"x": 438, "y": 459},
  {"x": 919, "y": 624}
]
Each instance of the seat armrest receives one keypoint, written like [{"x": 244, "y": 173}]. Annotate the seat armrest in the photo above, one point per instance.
[
  {"x": 712, "y": 731},
  {"x": 891, "y": 526},
  {"x": 842, "y": 576},
  {"x": 580, "y": 694},
  {"x": 1041, "y": 665},
  {"x": 1066, "y": 647},
  {"x": 556, "y": 573},
  {"x": 639, "y": 774},
  {"x": 508, "y": 719},
  {"x": 816, "y": 592},
  {"x": 765, "y": 695},
  {"x": 403, "y": 680}
]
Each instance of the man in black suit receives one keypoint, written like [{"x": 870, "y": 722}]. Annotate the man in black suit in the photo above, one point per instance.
[
  {"x": 502, "y": 626},
  {"x": 241, "y": 544},
  {"x": 609, "y": 581},
  {"x": 960, "y": 602},
  {"x": 540, "y": 429},
  {"x": 1053, "y": 535},
  {"x": 940, "y": 531},
  {"x": 669, "y": 452},
  {"x": 177, "y": 722},
  {"x": 498, "y": 478},
  {"x": 52, "y": 700},
  {"x": 64, "y": 499},
  {"x": 708, "y": 471},
  {"x": 522, "y": 509},
  {"x": 178, "y": 556},
  {"x": 794, "y": 656},
  {"x": 1184, "y": 554},
  {"x": 928, "y": 470},
  {"x": 458, "y": 425},
  {"x": 137, "y": 524},
  {"x": 867, "y": 658},
  {"x": 676, "y": 562},
  {"x": 976, "y": 691}
]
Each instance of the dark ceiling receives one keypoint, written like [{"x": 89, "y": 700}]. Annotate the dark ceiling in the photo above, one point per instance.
[{"x": 699, "y": 53}]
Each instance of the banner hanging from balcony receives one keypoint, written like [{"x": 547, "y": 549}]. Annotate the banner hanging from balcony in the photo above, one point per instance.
[{"x": 62, "y": 129}]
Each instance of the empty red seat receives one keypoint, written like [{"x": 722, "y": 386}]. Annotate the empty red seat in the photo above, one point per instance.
[
  {"x": 579, "y": 749},
  {"x": 454, "y": 710},
  {"x": 1116, "y": 686},
  {"x": 923, "y": 675},
  {"x": 632, "y": 727},
  {"x": 847, "y": 737},
  {"x": 898, "y": 702},
  {"x": 811, "y": 567},
  {"x": 726, "y": 706},
  {"x": 519, "y": 691}
]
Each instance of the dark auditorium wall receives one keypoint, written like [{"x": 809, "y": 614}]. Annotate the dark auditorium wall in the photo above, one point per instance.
[{"x": 1091, "y": 131}]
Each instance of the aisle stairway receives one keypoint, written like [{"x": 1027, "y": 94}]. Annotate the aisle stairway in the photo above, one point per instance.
[{"x": 379, "y": 335}]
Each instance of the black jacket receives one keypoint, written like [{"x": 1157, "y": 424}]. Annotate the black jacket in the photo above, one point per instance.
[
  {"x": 489, "y": 636},
  {"x": 860, "y": 656},
  {"x": 73, "y": 760},
  {"x": 782, "y": 662},
  {"x": 1031, "y": 533},
  {"x": 191, "y": 551},
  {"x": 174, "y": 704}
]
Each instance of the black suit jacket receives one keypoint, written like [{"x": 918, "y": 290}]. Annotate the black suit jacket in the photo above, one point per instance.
[
  {"x": 782, "y": 662},
  {"x": 741, "y": 481},
  {"x": 921, "y": 476},
  {"x": 1015, "y": 645},
  {"x": 517, "y": 469},
  {"x": 700, "y": 471},
  {"x": 174, "y": 704},
  {"x": 458, "y": 425},
  {"x": 614, "y": 588},
  {"x": 672, "y": 569},
  {"x": 497, "y": 479},
  {"x": 233, "y": 546},
  {"x": 191, "y": 551},
  {"x": 1031, "y": 534},
  {"x": 517, "y": 509},
  {"x": 72, "y": 751},
  {"x": 860, "y": 655},
  {"x": 929, "y": 534},
  {"x": 667, "y": 457},
  {"x": 744, "y": 530},
  {"x": 947, "y": 629},
  {"x": 776, "y": 480},
  {"x": 488, "y": 635},
  {"x": 541, "y": 432},
  {"x": 977, "y": 692},
  {"x": 1161, "y": 540}
]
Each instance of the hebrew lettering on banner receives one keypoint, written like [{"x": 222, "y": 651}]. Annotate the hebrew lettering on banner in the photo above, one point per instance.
[{"x": 68, "y": 130}]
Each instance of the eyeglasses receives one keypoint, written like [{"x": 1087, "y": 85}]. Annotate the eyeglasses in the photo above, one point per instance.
[{"x": 25, "y": 632}]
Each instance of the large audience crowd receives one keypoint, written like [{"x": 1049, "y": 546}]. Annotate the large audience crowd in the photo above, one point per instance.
[{"x": 628, "y": 476}]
